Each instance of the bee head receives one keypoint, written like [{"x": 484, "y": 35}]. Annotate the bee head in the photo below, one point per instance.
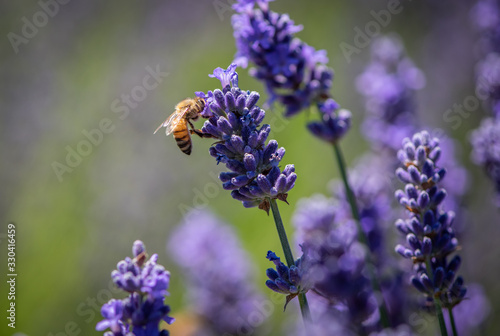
[{"x": 201, "y": 103}]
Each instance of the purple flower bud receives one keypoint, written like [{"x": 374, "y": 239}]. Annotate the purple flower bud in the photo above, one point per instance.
[
  {"x": 439, "y": 197},
  {"x": 421, "y": 155},
  {"x": 250, "y": 163},
  {"x": 409, "y": 149},
  {"x": 401, "y": 226},
  {"x": 281, "y": 183},
  {"x": 272, "y": 285},
  {"x": 424, "y": 279},
  {"x": 138, "y": 248},
  {"x": 413, "y": 241},
  {"x": 454, "y": 264},
  {"x": 219, "y": 99},
  {"x": 240, "y": 181},
  {"x": 418, "y": 285},
  {"x": 252, "y": 99},
  {"x": 240, "y": 103},
  {"x": 414, "y": 174},
  {"x": 271, "y": 148},
  {"x": 230, "y": 102},
  {"x": 264, "y": 183},
  {"x": 290, "y": 181},
  {"x": 423, "y": 200},
  {"x": 236, "y": 194},
  {"x": 403, "y": 175},
  {"x": 411, "y": 191},
  {"x": 438, "y": 277},
  {"x": 426, "y": 246}
]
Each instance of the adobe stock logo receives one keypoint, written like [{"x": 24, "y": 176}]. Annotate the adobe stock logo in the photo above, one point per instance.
[{"x": 30, "y": 28}]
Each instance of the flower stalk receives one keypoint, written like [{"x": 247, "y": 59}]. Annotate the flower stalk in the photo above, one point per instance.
[
  {"x": 304, "y": 306},
  {"x": 361, "y": 234},
  {"x": 437, "y": 303},
  {"x": 452, "y": 322}
]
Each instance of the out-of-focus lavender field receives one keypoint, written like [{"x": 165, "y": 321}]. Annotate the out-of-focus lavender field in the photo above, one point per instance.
[{"x": 83, "y": 176}]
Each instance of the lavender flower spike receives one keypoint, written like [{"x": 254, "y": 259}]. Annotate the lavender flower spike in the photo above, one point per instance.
[
  {"x": 336, "y": 260},
  {"x": 388, "y": 85},
  {"x": 254, "y": 175},
  {"x": 486, "y": 143},
  {"x": 218, "y": 273},
  {"x": 142, "y": 311},
  {"x": 430, "y": 237},
  {"x": 333, "y": 125},
  {"x": 290, "y": 281},
  {"x": 294, "y": 73}
]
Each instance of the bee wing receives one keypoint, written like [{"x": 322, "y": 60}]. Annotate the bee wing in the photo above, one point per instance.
[{"x": 172, "y": 121}]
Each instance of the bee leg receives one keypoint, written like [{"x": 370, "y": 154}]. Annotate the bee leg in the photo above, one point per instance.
[{"x": 198, "y": 132}]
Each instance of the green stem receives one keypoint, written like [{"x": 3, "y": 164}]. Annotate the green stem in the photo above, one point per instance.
[
  {"x": 304, "y": 306},
  {"x": 384, "y": 316},
  {"x": 437, "y": 302},
  {"x": 350, "y": 195},
  {"x": 282, "y": 233},
  {"x": 452, "y": 321},
  {"x": 439, "y": 311}
]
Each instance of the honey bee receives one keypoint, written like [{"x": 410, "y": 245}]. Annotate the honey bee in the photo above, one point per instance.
[{"x": 186, "y": 111}]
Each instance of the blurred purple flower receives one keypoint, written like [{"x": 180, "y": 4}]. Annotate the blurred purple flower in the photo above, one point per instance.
[
  {"x": 486, "y": 16},
  {"x": 113, "y": 313},
  {"x": 488, "y": 81},
  {"x": 486, "y": 150},
  {"x": 143, "y": 310},
  {"x": 370, "y": 183},
  {"x": 218, "y": 272},
  {"x": 336, "y": 259},
  {"x": 254, "y": 176},
  {"x": 388, "y": 84}
]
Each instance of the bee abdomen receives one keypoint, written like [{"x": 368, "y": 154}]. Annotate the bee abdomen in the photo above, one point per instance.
[{"x": 183, "y": 141}]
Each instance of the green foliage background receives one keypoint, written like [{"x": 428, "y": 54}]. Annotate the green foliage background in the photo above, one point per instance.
[{"x": 133, "y": 185}]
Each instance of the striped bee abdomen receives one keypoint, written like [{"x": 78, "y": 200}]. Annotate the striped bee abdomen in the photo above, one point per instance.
[{"x": 183, "y": 138}]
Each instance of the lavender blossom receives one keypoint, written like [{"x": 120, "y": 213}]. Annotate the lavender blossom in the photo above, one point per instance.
[
  {"x": 488, "y": 81},
  {"x": 388, "y": 84},
  {"x": 429, "y": 233},
  {"x": 486, "y": 16},
  {"x": 486, "y": 143},
  {"x": 254, "y": 175},
  {"x": 143, "y": 310},
  {"x": 287, "y": 280},
  {"x": 219, "y": 274},
  {"x": 336, "y": 259},
  {"x": 370, "y": 181},
  {"x": 294, "y": 73},
  {"x": 333, "y": 125}
]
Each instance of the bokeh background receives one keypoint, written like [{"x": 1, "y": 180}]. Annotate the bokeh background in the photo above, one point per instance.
[{"x": 73, "y": 72}]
